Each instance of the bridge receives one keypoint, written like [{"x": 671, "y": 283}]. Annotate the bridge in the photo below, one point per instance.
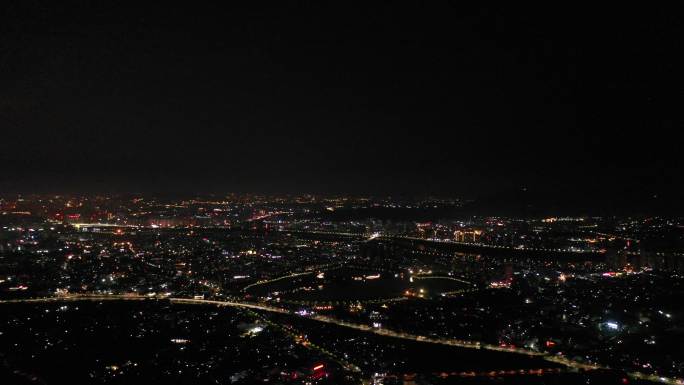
[
  {"x": 448, "y": 243},
  {"x": 463, "y": 246}
]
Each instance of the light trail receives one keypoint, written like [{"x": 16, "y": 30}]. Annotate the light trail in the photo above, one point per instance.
[
  {"x": 344, "y": 302},
  {"x": 79, "y": 225},
  {"x": 267, "y": 281},
  {"x": 365, "y": 328},
  {"x": 419, "y": 277}
]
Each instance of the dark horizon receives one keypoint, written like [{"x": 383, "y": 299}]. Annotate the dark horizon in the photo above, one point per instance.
[{"x": 576, "y": 110}]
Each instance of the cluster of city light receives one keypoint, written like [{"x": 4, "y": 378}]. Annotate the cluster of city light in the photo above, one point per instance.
[{"x": 380, "y": 331}]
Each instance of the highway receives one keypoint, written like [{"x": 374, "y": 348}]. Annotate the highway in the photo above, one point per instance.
[{"x": 361, "y": 327}]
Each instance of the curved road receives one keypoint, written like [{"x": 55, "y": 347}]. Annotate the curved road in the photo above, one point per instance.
[{"x": 383, "y": 332}]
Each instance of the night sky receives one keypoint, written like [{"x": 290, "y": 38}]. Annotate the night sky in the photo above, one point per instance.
[{"x": 423, "y": 98}]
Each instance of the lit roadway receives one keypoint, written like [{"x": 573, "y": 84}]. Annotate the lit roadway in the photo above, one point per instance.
[
  {"x": 370, "y": 237},
  {"x": 383, "y": 332},
  {"x": 367, "y": 237}
]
